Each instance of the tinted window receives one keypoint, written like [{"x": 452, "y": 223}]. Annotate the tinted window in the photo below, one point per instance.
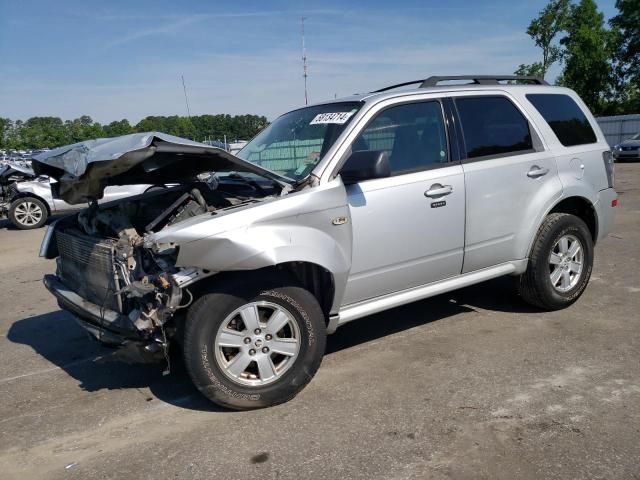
[
  {"x": 412, "y": 134},
  {"x": 493, "y": 126},
  {"x": 564, "y": 117}
]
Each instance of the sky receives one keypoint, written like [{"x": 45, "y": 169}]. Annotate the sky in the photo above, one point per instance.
[{"x": 124, "y": 59}]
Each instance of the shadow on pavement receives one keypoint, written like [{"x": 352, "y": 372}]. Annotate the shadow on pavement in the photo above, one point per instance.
[
  {"x": 58, "y": 338},
  {"x": 5, "y": 223},
  {"x": 497, "y": 295}
]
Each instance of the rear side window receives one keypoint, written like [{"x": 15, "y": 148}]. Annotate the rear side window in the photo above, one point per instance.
[
  {"x": 565, "y": 118},
  {"x": 493, "y": 126}
]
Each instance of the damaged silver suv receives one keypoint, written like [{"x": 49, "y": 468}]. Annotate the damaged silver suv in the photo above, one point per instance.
[{"x": 334, "y": 212}]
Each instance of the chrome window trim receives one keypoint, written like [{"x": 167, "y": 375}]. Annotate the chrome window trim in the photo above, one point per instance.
[{"x": 327, "y": 169}]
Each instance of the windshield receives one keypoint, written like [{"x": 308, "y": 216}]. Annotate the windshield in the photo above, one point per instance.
[
  {"x": 295, "y": 142},
  {"x": 636, "y": 137}
]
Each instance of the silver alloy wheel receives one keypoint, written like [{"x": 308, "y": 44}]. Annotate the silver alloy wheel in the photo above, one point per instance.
[
  {"x": 257, "y": 343},
  {"x": 28, "y": 213},
  {"x": 566, "y": 263}
]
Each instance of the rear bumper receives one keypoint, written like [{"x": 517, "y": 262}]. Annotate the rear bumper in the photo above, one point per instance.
[{"x": 605, "y": 212}]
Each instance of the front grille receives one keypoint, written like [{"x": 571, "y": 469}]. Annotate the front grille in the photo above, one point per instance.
[
  {"x": 86, "y": 266},
  {"x": 630, "y": 149}
]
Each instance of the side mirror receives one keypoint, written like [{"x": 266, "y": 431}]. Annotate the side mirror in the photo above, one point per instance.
[{"x": 365, "y": 165}]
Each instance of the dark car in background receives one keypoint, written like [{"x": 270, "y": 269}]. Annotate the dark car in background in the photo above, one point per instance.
[{"x": 628, "y": 149}]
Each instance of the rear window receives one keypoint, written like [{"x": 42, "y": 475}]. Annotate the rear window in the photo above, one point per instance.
[
  {"x": 493, "y": 126},
  {"x": 565, "y": 118}
]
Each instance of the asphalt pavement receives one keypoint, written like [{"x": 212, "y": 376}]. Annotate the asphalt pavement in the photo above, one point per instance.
[{"x": 467, "y": 385}]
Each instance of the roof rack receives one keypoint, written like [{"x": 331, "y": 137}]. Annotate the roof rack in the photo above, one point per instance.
[{"x": 474, "y": 79}]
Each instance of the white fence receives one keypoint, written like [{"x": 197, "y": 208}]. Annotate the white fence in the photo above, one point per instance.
[{"x": 619, "y": 127}]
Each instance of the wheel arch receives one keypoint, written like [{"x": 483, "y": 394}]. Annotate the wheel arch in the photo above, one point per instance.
[
  {"x": 20, "y": 195},
  {"x": 577, "y": 205},
  {"x": 582, "y": 208},
  {"x": 318, "y": 280}
]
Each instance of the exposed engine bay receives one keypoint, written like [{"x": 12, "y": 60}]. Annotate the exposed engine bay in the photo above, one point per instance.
[
  {"x": 121, "y": 268},
  {"x": 102, "y": 257},
  {"x": 9, "y": 176}
]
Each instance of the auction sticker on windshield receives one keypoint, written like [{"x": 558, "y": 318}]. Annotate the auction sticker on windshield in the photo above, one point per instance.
[{"x": 337, "y": 117}]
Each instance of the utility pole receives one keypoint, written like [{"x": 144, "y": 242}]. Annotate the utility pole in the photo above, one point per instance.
[
  {"x": 304, "y": 63},
  {"x": 186, "y": 99}
]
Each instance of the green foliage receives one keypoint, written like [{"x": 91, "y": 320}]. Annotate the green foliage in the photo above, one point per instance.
[
  {"x": 51, "y": 132},
  {"x": 627, "y": 45},
  {"x": 117, "y": 128},
  {"x": 626, "y": 63},
  {"x": 588, "y": 50},
  {"x": 543, "y": 30},
  {"x": 536, "y": 69},
  {"x": 601, "y": 64}
]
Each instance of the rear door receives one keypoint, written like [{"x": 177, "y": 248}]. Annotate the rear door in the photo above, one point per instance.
[
  {"x": 408, "y": 229},
  {"x": 509, "y": 179}
]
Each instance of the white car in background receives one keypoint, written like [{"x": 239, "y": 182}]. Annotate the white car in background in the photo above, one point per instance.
[{"x": 27, "y": 201}]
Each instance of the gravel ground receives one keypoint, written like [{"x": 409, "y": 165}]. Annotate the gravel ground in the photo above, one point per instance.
[{"x": 472, "y": 384}]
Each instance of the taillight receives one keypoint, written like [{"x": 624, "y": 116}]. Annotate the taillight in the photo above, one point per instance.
[{"x": 607, "y": 156}]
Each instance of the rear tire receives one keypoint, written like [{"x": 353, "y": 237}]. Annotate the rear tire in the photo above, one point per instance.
[
  {"x": 560, "y": 263},
  {"x": 254, "y": 345},
  {"x": 28, "y": 213}
]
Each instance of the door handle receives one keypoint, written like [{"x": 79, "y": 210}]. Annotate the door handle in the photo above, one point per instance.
[
  {"x": 437, "y": 190},
  {"x": 536, "y": 172}
]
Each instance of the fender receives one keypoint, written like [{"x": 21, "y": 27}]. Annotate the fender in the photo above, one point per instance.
[
  {"x": 31, "y": 195},
  {"x": 572, "y": 192},
  {"x": 537, "y": 210},
  {"x": 297, "y": 227}
]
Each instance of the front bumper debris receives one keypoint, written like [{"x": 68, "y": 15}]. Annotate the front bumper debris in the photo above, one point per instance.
[{"x": 104, "y": 325}]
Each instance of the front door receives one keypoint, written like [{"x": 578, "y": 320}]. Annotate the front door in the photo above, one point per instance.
[{"x": 408, "y": 229}]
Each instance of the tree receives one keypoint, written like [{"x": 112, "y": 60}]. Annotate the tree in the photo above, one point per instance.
[
  {"x": 536, "y": 69},
  {"x": 51, "y": 132},
  {"x": 5, "y": 127},
  {"x": 117, "y": 128},
  {"x": 587, "y": 54},
  {"x": 43, "y": 131},
  {"x": 543, "y": 30},
  {"x": 626, "y": 33},
  {"x": 628, "y": 46}
]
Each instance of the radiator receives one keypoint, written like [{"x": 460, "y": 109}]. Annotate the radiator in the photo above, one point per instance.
[{"x": 86, "y": 266}]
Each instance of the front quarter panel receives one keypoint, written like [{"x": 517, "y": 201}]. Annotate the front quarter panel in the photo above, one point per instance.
[
  {"x": 297, "y": 227},
  {"x": 39, "y": 189}
]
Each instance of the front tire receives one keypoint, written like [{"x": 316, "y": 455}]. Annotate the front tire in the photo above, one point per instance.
[
  {"x": 253, "y": 346},
  {"x": 560, "y": 263},
  {"x": 28, "y": 213}
]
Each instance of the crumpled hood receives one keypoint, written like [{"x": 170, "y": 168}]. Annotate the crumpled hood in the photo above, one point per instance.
[
  {"x": 84, "y": 169},
  {"x": 11, "y": 172},
  {"x": 12, "y": 168}
]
